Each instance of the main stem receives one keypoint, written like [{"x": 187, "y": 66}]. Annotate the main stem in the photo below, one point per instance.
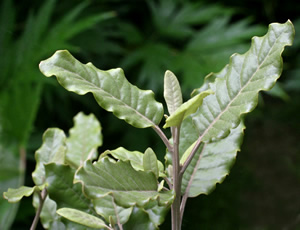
[{"x": 177, "y": 177}]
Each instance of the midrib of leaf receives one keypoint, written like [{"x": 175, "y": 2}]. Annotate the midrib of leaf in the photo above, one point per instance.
[
  {"x": 240, "y": 91},
  {"x": 109, "y": 95}
]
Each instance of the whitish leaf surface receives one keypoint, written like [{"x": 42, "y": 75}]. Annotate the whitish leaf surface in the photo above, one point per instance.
[
  {"x": 128, "y": 186},
  {"x": 186, "y": 109},
  {"x": 85, "y": 137},
  {"x": 53, "y": 149},
  {"x": 212, "y": 163},
  {"x": 236, "y": 87},
  {"x": 135, "y": 158},
  {"x": 150, "y": 162},
  {"x": 172, "y": 92},
  {"x": 110, "y": 88},
  {"x": 107, "y": 208},
  {"x": 82, "y": 218}
]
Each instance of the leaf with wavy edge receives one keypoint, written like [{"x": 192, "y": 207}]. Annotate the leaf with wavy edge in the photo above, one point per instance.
[
  {"x": 149, "y": 219},
  {"x": 110, "y": 88},
  {"x": 186, "y": 109},
  {"x": 236, "y": 87},
  {"x": 62, "y": 190},
  {"x": 15, "y": 195},
  {"x": 172, "y": 92},
  {"x": 212, "y": 163},
  {"x": 82, "y": 218},
  {"x": 128, "y": 186},
  {"x": 85, "y": 137},
  {"x": 53, "y": 149},
  {"x": 135, "y": 158},
  {"x": 48, "y": 217},
  {"x": 157, "y": 214},
  {"x": 140, "y": 219},
  {"x": 108, "y": 209}
]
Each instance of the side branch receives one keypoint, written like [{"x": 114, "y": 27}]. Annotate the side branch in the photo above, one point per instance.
[
  {"x": 163, "y": 137},
  {"x": 191, "y": 156}
]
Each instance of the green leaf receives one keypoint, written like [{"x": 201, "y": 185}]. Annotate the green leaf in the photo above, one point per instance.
[
  {"x": 236, "y": 87},
  {"x": 15, "y": 195},
  {"x": 212, "y": 163},
  {"x": 143, "y": 218},
  {"x": 62, "y": 190},
  {"x": 135, "y": 158},
  {"x": 140, "y": 219},
  {"x": 82, "y": 218},
  {"x": 51, "y": 220},
  {"x": 157, "y": 214},
  {"x": 150, "y": 162},
  {"x": 109, "y": 210},
  {"x": 128, "y": 186},
  {"x": 172, "y": 92},
  {"x": 53, "y": 149},
  {"x": 63, "y": 193},
  {"x": 110, "y": 88},
  {"x": 48, "y": 217},
  {"x": 85, "y": 137},
  {"x": 186, "y": 109}
]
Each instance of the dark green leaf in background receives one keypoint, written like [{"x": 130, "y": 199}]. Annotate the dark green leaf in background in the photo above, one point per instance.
[{"x": 22, "y": 45}]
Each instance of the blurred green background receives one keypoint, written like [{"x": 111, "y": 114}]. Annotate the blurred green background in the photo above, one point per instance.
[{"x": 145, "y": 38}]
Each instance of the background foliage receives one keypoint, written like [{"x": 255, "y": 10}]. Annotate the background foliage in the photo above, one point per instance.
[{"x": 191, "y": 38}]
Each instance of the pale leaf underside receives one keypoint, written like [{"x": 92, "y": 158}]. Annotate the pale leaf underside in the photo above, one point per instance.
[
  {"x": 85, "y": 137},
  {"x": 172, "y": 92},
  {"x": 236, "y": 87},
  {"x": 212, "y": 163},
  {"x": 110, "y": 88},
  {"x": 217, "y": 123},
  {"x": 53, "y": 149}
]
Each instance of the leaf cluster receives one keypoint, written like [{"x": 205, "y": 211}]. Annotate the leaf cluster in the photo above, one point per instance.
[
  {"x": 207, "y": 131},
  {"x": 65, "y": 171},
  {"x": 115, "y": 189}
]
